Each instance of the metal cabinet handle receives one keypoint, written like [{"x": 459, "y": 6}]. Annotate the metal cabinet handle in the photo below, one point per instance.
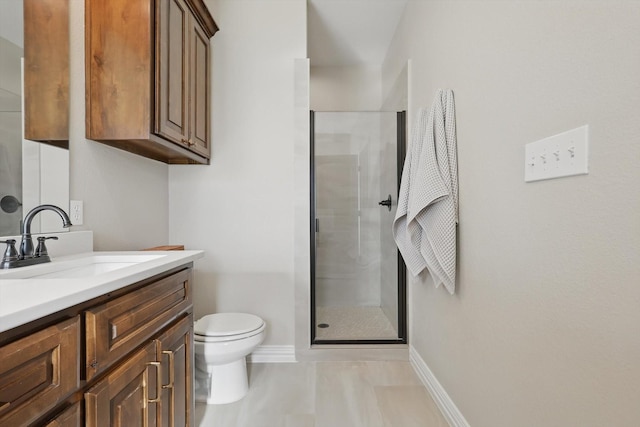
[
  {"x": 158, "y": 384},
  {"x": 172, "y": 377},
  {"x": 145, "y": 393}
]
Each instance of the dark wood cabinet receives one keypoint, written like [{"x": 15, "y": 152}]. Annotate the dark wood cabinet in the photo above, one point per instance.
[
  {"x": 175, "y": 349},
  {"x": 172, "y": 102},
  {"x": 128, "y": 395},
  {"x": 71, "y": 417},
  {"x": 199, "y": 94},
  {"x": 38, "y": 372},
  {"x": 152, "y": 387},
  {"x": 130, "y": 364},
  {"x": 46, "y": 71},
  {"x": 147, "y": 66},
  {"x": 115, "y": 328}
]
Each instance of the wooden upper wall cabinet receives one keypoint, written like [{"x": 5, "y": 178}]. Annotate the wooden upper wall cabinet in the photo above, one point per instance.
[
  {"x": 46, "y": 71},
  {"x": 148, "y": 68}
]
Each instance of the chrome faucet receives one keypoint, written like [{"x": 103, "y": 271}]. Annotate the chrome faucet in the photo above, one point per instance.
[
  {"x": 26, "y": 256},
  {"x": 26, "y": 246}
]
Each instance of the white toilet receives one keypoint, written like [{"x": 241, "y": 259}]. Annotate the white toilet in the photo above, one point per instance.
[{"x": 222, "y": 341}]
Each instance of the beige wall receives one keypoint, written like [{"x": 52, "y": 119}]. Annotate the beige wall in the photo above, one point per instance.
[
  {"x": 544, "y": 327},
  {"x": 348, "y": 88},
  {"x": 125, "y": 196},
  {"x": 240, "y": 208}
]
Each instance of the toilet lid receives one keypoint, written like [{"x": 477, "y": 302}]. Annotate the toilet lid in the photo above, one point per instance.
[{"x": 226, "y": 324}]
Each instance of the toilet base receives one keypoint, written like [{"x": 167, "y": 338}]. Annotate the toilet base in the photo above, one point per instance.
[{"x": 220, "y": 384}]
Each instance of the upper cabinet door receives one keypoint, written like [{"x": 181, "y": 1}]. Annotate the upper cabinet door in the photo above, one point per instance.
[
  {"x": 182, "y": 100},
  {"x": 46, "y": 71},
  {"x": 200, "y": 129},
  {"x": 172, "y": 96},
  {"x": 118, "y": 67}
]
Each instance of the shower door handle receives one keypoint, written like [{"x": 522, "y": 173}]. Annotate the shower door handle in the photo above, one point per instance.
[{"x": 386, "y": 202}]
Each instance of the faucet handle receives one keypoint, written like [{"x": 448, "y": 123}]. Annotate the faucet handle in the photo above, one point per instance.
[
  {"x": 41, "y": 250},
  {"x": 10, "y": 253}
]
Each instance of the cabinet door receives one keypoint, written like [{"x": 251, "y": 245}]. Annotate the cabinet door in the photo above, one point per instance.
[
  {"x": 118, "y": 69},
  {"x": 172, "y": 53},
  {"x": 71, "y": 417},
  {"x": 38, "y": 372},
  {"x": 46, "y": 71},
  {"x": 199, "y": 99},
  {"x": 129, "y": 395},
  {"x": 176, "y": 353}
]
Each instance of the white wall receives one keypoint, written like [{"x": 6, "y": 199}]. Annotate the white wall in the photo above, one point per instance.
[
  {"x": 53, "y": 171},
  {"x": 240, "y": 208},
  {"x": 125, "y": 196},
  {"x": 348, "y": 88},
  {"x": 11, "y": 21},
  {"x": 543, "y": 328}
]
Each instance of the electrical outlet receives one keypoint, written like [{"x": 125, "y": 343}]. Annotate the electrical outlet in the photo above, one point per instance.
[
  {"x": 76, "y": 212},
  {"x": 557, "y": 156}
]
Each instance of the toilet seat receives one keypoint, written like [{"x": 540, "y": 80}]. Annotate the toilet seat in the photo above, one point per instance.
[{"x": 227, "y": 327}]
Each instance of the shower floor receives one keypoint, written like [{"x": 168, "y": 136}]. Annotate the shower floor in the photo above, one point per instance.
[{"x": 353, "y": 323}]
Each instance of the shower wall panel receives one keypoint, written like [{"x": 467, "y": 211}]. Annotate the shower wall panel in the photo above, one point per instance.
[{"x": 10, "y": 168}]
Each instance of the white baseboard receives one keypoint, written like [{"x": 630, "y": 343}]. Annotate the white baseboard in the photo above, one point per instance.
[
  {"x": 449, "y": 410},
  {"x": 273, "y": 354}
]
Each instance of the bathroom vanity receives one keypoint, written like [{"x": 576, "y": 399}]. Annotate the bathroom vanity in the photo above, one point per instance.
[{"x": 106, "y": 340}]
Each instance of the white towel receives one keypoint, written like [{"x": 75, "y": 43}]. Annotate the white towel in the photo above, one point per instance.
[{"x": 424, "y": 227}]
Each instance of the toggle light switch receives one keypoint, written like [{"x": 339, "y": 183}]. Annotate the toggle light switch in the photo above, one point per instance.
[{"x": 570, "y": 155}]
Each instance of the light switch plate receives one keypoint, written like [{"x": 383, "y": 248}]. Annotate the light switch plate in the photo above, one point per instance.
[{"x": 558, "y": 156}]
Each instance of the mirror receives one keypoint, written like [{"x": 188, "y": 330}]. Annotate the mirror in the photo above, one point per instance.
[{"x": 33, "y": 173}]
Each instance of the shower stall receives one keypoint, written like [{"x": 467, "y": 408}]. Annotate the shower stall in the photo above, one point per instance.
[{"x": 357, "y": 274}]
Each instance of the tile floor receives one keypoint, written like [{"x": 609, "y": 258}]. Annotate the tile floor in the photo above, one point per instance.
[{"x": 328, "y": 394}]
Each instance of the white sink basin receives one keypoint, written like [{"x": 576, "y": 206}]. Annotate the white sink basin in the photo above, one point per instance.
[{"x": 87, "y": 266}]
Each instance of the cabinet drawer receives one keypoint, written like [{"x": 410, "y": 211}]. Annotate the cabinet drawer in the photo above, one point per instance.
[
  {"x": 39, "y": 371},
  {"x": 119, "y": 326}
]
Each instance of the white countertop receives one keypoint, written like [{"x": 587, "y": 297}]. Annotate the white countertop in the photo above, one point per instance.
[{"x": 24, "y": 300}]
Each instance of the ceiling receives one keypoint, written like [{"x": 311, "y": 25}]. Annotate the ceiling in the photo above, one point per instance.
[{"x": 351, "y": 32}]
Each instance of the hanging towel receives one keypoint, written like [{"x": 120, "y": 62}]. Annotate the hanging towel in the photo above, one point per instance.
[{"x": 424, "y": 227}]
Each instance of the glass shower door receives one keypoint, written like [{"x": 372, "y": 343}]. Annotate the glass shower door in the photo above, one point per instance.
[{"x": 358, "y": 291}]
